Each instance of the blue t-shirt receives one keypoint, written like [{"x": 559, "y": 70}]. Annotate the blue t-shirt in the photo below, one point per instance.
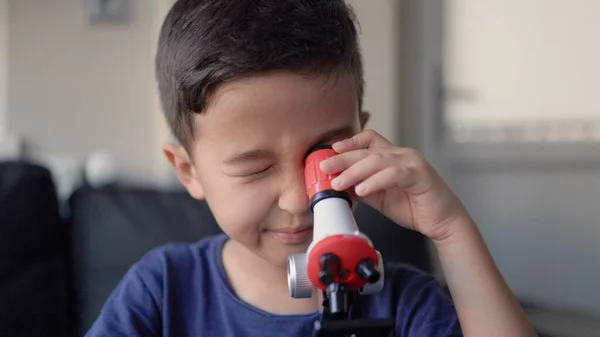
[{"x": 182, "y": 290}]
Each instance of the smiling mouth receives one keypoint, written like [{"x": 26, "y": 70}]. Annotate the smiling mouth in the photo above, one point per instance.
[
  {"x": 292, "y": 230},
  {"x": 293, "y": 236}
]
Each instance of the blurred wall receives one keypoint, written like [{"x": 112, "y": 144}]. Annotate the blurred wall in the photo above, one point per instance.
[
  {"x": 77, "y": 87},
  {"x": 523, "y": 61},
  {"x": 538, "y": 204},
  {"x": 379, "y": 43},
  {"x": 542, "y": 225},
  {"x": 3, "y": 64}
]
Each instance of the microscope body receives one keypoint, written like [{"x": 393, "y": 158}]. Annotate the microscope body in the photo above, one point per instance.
[{"x": 340, "y": 261}]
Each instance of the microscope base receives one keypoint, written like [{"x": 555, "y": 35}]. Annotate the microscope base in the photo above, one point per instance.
[{"x": 355, "y": 328}]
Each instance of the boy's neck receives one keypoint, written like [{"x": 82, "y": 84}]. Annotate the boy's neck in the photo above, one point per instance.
[{"x": 247, "y": 274}]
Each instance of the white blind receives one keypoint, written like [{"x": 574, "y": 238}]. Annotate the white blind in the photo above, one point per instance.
[{"x": 529, "y": 64}]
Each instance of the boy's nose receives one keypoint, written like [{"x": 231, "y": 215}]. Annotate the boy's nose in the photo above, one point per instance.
[{"x": 293, "y": 197}]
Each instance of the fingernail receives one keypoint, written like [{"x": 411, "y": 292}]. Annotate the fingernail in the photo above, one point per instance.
[
  {"x": 360, "y": 189},
  {"x": 323, "y": 165},
  {"x": 338, "y": 145},
  {"x": 336, "y": 183}
]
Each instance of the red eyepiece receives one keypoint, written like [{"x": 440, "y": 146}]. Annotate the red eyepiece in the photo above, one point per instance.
[{"x": 316, "y": 180}]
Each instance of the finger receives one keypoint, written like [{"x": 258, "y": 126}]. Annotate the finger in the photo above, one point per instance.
[
  {"x": 380, "y": 181},
  {"x": 361, "y": 140},
  {"x": 358, "y": 172},
  {"x": 407, "y": 176},
  {"x": 340, "y": 162}
]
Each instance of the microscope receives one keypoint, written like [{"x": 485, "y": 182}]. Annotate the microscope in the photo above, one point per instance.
[{"x": 340, "y": 261}]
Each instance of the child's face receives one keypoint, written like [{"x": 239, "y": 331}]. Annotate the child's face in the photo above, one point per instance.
[{"x": 248, "y": 152}]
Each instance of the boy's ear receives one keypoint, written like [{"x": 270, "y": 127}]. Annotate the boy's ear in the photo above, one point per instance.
[
  {"x": 363, "y": 119},
  {"x": 184, "y": 169}
]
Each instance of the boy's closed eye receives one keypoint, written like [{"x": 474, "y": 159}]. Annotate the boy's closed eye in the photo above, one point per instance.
[
  {"x": 248, "y": 163},
  {"x": 249, "y": 172},
  {"x": 256, "y": 162}
]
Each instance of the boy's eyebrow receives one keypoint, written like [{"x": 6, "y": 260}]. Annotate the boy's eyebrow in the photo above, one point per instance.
[
  {"x": 259, "y": 153},
  {"x": 246, "y": 156},
  {"x": 330, "y": 135}
]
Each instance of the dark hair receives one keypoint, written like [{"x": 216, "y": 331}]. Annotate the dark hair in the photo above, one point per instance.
[{"x": 204, "y": 43}]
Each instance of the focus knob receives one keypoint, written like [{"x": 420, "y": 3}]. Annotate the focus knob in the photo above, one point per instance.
[
  {"x": 367, "y": 271},
  {"x": 377, "y": 286},
  {"x": 299, "y": 285}
]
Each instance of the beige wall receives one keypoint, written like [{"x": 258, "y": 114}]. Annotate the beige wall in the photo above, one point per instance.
[
  {"x": 163, "y": 172},
  {"x": 75, "y": 87},
  {"x": 3, "y": 63},
  {"x": 379, "y": 42}
]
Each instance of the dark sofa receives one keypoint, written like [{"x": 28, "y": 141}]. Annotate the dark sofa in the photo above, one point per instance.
[
  {"x": 57, "y": 271},
  {"x": 35, "y": 291}
]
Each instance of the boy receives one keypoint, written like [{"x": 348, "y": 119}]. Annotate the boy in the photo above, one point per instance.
[{"x": 248, "y": 87}]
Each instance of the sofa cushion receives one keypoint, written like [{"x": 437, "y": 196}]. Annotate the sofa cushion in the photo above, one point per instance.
[{"x": 112, "y": 228}]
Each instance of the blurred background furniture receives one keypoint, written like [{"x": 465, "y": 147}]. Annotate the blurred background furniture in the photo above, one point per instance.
[{"x": 34, "y": 264}]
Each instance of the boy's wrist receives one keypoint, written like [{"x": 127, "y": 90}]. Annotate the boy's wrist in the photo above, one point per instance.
[{"x": 457, "y": 230}]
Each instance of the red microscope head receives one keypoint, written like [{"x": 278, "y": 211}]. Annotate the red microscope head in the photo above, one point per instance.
[{"x": 339, "y": 253}]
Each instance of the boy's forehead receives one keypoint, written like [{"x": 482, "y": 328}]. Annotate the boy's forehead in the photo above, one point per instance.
[
  {"x": 291, "y": 90},
  {"x": 280, "y": 106}
]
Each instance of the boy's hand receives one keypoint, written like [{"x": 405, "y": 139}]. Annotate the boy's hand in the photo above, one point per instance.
[
  {"x": 396, "y": 181},
  {"x": 403, "y": 186}
]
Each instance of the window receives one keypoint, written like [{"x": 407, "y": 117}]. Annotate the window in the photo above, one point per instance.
[{"x": 522, "y": 71}]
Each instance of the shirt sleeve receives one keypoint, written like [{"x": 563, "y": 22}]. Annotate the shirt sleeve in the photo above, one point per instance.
[
  {"x": 424, "y": 309},
  {"x": 131, "y": 309}
]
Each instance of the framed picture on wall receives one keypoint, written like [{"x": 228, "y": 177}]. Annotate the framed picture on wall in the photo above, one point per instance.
[{"x": 98, "y": 11}]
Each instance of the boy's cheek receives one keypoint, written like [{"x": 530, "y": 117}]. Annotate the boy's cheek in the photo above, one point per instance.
[{"x": 240, "y": 208}]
